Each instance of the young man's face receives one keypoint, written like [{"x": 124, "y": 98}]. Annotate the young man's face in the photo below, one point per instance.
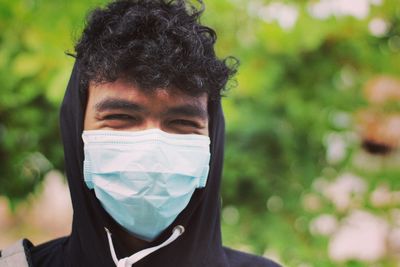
[{"x": 122, "y": 106}]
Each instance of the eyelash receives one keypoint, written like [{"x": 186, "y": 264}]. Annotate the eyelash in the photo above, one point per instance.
[
  {"x": 119, "y": 117},
  {"x": 186, "y": 123},
  {"x": 177, "y": 122}
]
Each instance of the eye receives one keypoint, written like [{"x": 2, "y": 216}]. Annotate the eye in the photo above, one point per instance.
[
  {"x": 187, "y": 123},
  {"x": 123, "y": 117},
  {"x": 120, "y": 120}
]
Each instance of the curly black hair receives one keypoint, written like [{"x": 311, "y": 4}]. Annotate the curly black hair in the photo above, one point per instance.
[{"x": 153, "y": 44}]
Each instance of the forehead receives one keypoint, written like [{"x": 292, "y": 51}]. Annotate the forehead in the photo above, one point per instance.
[{"x": 130, "y": 92}]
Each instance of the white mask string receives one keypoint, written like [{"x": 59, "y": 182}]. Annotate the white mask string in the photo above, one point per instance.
[{"x": 128, "y": 261}]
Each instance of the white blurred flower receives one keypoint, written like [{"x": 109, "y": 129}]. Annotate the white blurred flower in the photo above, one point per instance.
[
  {"x": 335, "y": 148},
  {"x": 381, "y": 196},
  {"x": 376, "y": 2},
  {"x": 284, "y": 14},
  {"x": 320, "y": 184},
  {"x": 341, "y": 119},
  {"x": 325, "y": 224},
  {"x": 361, "y": 236},
  {"x": 345, "y": 189},
  {"x": 378, "y": 27},
  {"x": 339, "y": 8}
]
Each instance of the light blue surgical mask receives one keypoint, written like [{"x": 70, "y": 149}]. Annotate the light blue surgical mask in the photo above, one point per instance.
[{"x": 145, "y": 179}]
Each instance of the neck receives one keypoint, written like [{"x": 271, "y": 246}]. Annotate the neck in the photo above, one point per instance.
[{"x": 128, "y": 241}]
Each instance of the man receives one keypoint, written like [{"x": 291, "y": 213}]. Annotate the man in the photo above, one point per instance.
[{"x": 143, "y": 135}]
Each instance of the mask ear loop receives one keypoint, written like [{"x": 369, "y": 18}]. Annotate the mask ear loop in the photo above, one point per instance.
[{"x": 127, "y": 262}]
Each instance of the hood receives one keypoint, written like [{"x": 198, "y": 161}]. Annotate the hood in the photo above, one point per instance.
[{"x": 200, "y": 245}]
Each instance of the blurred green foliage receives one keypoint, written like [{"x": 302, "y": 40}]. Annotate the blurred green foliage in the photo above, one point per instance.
[
  {"x": 34, "y": 72},
  {"x": 293, "y": 85}
]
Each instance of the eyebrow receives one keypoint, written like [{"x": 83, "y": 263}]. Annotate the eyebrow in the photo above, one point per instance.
[
  {"x": 190, "y": 110},
  {"x": 116, "y": 103}
]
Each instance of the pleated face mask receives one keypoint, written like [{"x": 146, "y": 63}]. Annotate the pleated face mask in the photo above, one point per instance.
[{"x": 145, "y": 179}]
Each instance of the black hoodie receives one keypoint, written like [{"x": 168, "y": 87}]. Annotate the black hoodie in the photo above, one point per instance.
[{"x": 87, "y": 245}]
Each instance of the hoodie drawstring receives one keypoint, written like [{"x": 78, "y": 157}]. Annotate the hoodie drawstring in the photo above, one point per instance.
[{"x": 128, "y": 261}]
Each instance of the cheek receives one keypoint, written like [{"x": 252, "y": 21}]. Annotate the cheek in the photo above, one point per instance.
[
  {"x": 88, "y": 119},
  {"x": 205, "y": 131}
]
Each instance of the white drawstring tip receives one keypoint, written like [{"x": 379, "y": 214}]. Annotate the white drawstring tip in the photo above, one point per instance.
[{"x": 179, "y": 228}]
